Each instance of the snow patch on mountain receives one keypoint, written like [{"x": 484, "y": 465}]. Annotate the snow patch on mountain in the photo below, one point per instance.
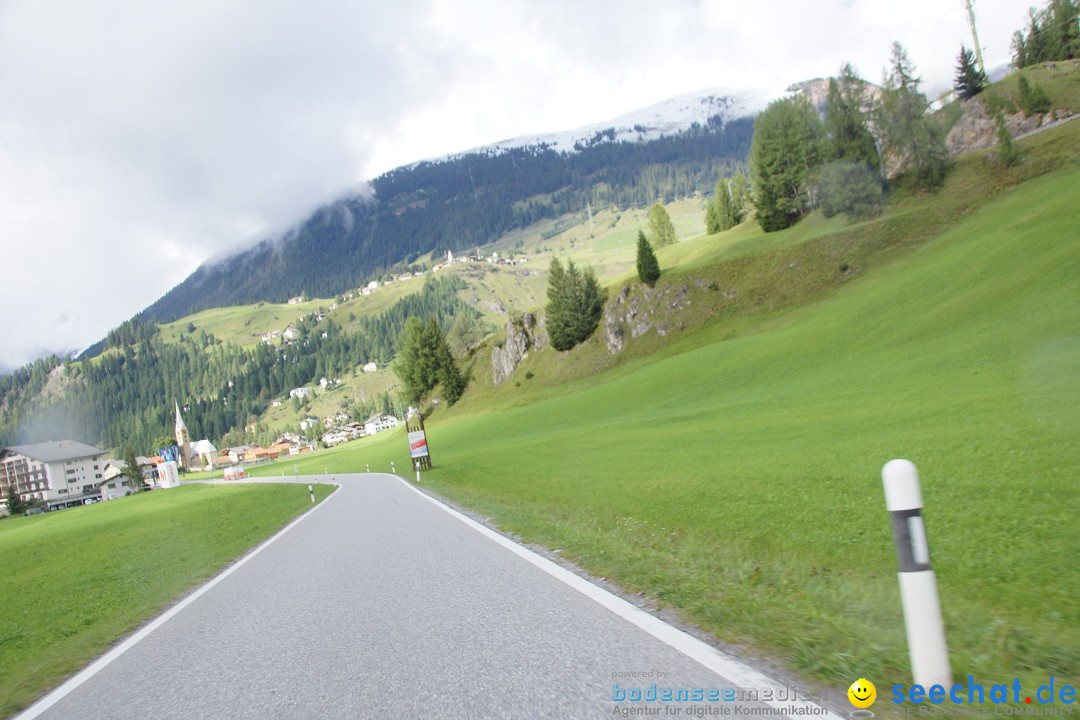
[{"x": 665, "y": 118}]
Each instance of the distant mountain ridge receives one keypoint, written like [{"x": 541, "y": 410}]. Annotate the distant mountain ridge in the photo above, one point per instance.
[
  {"x": 671, "y": 149},
  {"x": 665, "y": 118}
]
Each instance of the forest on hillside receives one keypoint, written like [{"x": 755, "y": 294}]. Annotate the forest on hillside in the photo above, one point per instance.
[
  {"x": 459, "y": 203},
  {"x": 125, "y": 396}
]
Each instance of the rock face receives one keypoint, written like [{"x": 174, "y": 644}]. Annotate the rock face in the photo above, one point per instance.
[
  {"x": 505, "y": 359},
  {"x": 640, "y": 310},
  {"x": 976, "y": 129}
]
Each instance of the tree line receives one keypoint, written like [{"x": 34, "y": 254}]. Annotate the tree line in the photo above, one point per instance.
[
  {"x": 1052, "y": 33},
  {"x": 799, "y": 162},
  {"x": 124, "y": 396}
]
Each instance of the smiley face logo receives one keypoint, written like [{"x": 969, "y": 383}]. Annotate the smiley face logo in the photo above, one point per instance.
[{"x": 862, "y": 693}]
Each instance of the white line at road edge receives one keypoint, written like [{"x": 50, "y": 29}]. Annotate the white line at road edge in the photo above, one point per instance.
[
  {"x": 98, "y": 665},
  {"x": 722, "y": 664}
]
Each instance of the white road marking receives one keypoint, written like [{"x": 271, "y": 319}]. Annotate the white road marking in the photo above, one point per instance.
[
  {"x": 720, "y": 663},
  {"x": 102, "y": 662}
]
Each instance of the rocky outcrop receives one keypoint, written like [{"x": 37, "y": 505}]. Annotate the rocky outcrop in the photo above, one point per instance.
[
  {"x": 977, "y": 129},
  {"x": 640, "y": 310},
  {"x": 505, "y": 359}
]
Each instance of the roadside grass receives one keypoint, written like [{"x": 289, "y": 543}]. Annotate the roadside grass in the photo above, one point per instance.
[
  {"x": 75, "y": 582},
  {"x": 738, "y": 480}
]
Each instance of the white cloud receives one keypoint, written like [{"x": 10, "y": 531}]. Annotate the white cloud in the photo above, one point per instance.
[{"x": 138, "y": 139}]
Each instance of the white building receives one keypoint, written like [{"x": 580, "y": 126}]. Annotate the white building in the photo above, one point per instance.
[
  {"x": 370, "y": 367},
  {"x": 60, "y": 473},
  {"x": 300, "y": 393},
  {"x": 377, "y": 423}
]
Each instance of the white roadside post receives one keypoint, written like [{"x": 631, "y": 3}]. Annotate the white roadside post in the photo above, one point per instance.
[
  {"x": 312, "y": 491},
  {"x": 367, "y": 467},
  {"x": 918, "y": 586},
  {"x": 392, "y": 468},
  {"x": 418, "y": 471}
]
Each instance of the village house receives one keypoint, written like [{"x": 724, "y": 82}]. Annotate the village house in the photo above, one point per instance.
[
  {"x": 370, "y": 367},
  {"x": 379, "y": 422},
  {"x": 300, "y": 393}
]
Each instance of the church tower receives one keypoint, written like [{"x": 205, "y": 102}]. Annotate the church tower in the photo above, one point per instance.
[{"x": 183, "y": 439}]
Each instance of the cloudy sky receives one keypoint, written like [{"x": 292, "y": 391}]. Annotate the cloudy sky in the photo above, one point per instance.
[{"x": 139, "y": 139}]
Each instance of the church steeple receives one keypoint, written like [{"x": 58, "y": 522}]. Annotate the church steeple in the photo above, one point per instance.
[{"x": 183, "y": 438}]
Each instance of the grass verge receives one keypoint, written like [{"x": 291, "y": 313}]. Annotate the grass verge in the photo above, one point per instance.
[{"x": 75, "y": 582}]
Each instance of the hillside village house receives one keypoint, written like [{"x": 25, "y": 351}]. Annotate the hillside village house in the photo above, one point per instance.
[
  {"x": 370, "y": 367},
  {"x": 377, "y": 423},
  {"x": 299, "y": 393},
  {"x": 60, "y": 473}
]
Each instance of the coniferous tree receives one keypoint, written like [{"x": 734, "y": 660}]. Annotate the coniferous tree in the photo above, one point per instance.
[
  {"x": 132, "y": 472},
  {"x": 846, "y": 125},
  {"x": 1033, "y": 100},
  {"x": 970, "y": 80},
  {"x": 1007, "y": 154},
  {"x": 784, "y": 153},
  {"x": 575, "y": 305},
  {"x": 910, "y": 136},
  {"x": 712, "y": 218},
  {"x": 725, "y": 213},
  {"x": 740, "y": 196},
  {"x": 660, "y": 227},
  {"x": 558, "y": 307},
  {"x": 14, "y": 502},
  {"x": 648, "y": 267}
]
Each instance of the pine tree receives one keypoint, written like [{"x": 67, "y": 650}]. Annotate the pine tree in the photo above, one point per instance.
[
  {"x": 712, "y": 218},
  {"x": 846, "y": 126},
  {"x": 1007, "y": 154},
  {"x": 132, "y": 471},
  {"x": 660, "y": 227},
  {"x": 558, "y": 307},
  {"x": 14, "y": 502},
  {"x": 725, "y": 214},
  {"x": 1033, "y": 100},
  {"x": 648, "y": 267},
  {"x": 784, "y": 153},
  {"x": 740, "y": 197},
  {"x": 575, "y": 305},
  {"x": 970, "y": 80},
  {"x": 910, "y": 135}
]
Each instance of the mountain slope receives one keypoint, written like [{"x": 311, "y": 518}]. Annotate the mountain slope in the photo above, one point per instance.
[{"x": 670, "y": 150}]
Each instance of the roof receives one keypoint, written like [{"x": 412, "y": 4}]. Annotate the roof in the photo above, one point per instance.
[
  {"x": 203, "y": 447},
  {"x": 56, "y": 450}
]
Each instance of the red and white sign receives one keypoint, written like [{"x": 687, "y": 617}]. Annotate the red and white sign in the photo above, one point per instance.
[
  {"x": 236, "y": 472},
  {"x": 418, "y": 444}
]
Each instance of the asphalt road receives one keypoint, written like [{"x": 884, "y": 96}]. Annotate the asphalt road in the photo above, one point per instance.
[{"x": 380, "y": 604}]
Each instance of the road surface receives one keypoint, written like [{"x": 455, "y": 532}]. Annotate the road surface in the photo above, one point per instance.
[{"x": 381, "y": 603}]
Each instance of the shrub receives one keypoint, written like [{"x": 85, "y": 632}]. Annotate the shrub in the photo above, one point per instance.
[{"x": 851, "y": 188}]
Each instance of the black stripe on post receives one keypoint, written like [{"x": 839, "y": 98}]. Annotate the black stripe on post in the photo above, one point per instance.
[{"x": 909, "y": 537}]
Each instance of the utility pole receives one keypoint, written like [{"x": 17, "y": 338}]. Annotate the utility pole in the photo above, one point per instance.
[{"x": 975, "y": 37}]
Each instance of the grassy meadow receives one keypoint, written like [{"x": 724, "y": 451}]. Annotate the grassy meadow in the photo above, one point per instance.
[
  {"x": 77, "y": 581},
  {"x": 734, "y": 473}
]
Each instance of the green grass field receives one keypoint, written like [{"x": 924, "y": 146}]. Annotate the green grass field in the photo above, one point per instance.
[
  {"x": 735, "y": 474},
  {"x": 75, "y": 582}
]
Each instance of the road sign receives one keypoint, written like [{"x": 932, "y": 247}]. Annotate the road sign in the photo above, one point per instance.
[{"x": 418, "y": 444}]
